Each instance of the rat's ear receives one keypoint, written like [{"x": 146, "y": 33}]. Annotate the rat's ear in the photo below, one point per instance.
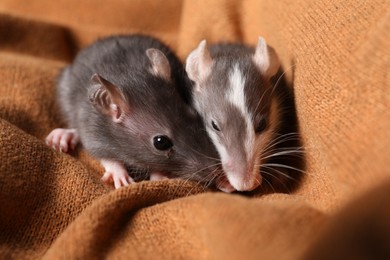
[
  {"x": 160, "y": 63},
  {"x": 107, "y": 98},
  {"x": 199, "y": 63},
  {"x": 265, "y": 59}
]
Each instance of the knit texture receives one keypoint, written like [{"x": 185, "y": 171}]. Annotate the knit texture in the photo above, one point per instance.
[{"x": 336, "y": 55}]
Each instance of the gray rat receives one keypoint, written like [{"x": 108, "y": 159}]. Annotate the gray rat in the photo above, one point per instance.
[
  {"x": 122, "y": 98},
  {"x": 248, "y": 112}
]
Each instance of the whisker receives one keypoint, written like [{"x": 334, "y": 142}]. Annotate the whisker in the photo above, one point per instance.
[
  {"x": 273, "y": 87},
  {"x": 199, "y": 153},
  {"x": 278, "y": 179},
  {"x": 271, "y": 148},
  {"x": 212, "y": 179},
  {"x": 281, "y": 76},
  {"x": 282, "y": 166},
  {"x": 206, "y": 179},
  {"x": 292, "y": 135},
  {"x": 269, "y": 183},
  {"x": 288, "y": 136},
  {"x": 281, "y": 173},
  {"x": 296, "y": 152},
  {"x": 200, "y": 182},
  {"x": 205, "y": 168}
]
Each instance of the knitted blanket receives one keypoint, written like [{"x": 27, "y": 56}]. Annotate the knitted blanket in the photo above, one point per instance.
[{"x": 336, "y": 55}]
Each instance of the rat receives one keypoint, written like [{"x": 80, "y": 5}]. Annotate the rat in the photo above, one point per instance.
[
  {"x": 123, "y": 100},
  {"x": 248, "y": 114}
]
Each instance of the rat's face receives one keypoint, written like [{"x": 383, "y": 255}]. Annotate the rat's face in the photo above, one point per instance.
[
  {"x": 238, "y": 107},
  {"x": 241, "y": 118},
  {"x": 169, "y": 137},
  {"x": 152, "y": 128}
]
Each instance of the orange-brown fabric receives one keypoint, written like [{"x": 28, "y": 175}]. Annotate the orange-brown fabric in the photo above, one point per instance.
[{"x": 336, "y": 54}]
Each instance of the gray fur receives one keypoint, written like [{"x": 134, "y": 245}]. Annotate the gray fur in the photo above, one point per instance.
[
  {"x": 157, "y": 107},
  {"x": 230, "y": 119},
  {"x": 210, "y": 100}
]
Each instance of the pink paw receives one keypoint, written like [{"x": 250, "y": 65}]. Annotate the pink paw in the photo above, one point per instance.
[
  {"x": 62, "y": 139},
  {"x": 116, "y": 173}
]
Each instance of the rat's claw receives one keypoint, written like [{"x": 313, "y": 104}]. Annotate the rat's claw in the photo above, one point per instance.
[
  {"x": 117, "y": 183},
  {"x": 63, "y": 145},
  {"x": 122, "y": 181},
  {"x": 117, "y": 173},
  {"x": 107, "y": 178},
  {"x": 74, "y": 142},
  {"x": 126, "y": 180},
  {"x": 48, "y": 139},
  {"x": 61, "y": 139},
  {"x": 55, "y": 141}
]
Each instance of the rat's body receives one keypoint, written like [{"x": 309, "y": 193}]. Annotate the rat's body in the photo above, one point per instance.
[
  {"x": 250, "y": 120},
  {"x": 121, "y": 96}
]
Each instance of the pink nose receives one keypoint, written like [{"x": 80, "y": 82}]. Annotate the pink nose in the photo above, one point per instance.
[
  {"x": 247, "y": 185},
  {"x": 227, "y": 186},
  {"x": 246, "y": 181},
  {"x": 240, "y": 177}
]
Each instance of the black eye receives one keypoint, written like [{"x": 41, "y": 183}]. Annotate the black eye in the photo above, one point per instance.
[
  {"x": 214, "y": 125},
  {"x": 261, "y": 126},
  {"x": 162, "y": 142}
]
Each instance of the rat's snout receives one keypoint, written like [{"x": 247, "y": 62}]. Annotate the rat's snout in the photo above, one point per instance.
[{"x": 240, "y": 176}]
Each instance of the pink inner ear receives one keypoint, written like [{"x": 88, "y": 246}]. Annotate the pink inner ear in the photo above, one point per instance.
[
  {"x": 266, "y": 59},
  {"x": 116, "y": 113},
  {"x": 199, "y": 63},
  {"x": 160, "y": 64}
]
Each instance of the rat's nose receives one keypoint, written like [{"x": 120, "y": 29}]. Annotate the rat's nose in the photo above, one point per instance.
[
  {"x": 247, "y": 185},
  {"x": 241, "y": 175}
]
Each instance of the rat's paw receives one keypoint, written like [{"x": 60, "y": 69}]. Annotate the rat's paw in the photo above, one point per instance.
[
  {"x": 119, "y": 179},
  {"x": 62, "y": 139},
  {"x": 116, "y": 173}
]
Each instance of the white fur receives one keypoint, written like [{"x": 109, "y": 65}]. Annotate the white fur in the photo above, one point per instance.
[
  {"x": 223, "y": 153},
  {"x": 236, "y": 95}
]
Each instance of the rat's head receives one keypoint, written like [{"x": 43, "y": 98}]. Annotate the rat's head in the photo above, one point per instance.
[
  {"x": 233, "y": 94},
  {"x": 151, "y": 127}
]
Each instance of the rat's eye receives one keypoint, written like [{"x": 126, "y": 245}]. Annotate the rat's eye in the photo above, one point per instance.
[
  {"x": 214, "y": 125},
  {"x": 261, "y": 126},
  {"x": 162, "y": 142}
]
